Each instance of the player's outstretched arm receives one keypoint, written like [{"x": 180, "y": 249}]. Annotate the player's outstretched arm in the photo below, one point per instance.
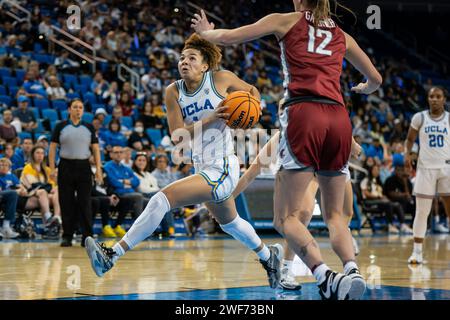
[
  {"x": 270, "y": 24},
  {"x": 359, "y": 59}
]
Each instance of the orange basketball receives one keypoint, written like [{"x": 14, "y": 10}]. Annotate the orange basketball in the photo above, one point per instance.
[{"x": 244, "y": 110}]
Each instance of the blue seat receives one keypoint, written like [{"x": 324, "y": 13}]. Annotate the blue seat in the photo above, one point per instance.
[
  {"x": 5, "y": 72},
  {"x": 37, "y": 47},
  {"x": 87, "y": 117},
  {"x": 13, "y": 91},
  {"x": 64, "y": 114},
  {"x": 155, "y": 135},
  {"x": 41, "y": 103},
  {"x": 90, "y": 97},
  {"x": 80, "y": 88},
  {"x": 2, "y": 90},
  {"x": 107, "y": 120},
  {"x": 50, "y": 114},
  {"x": 20, "y": 75},
  {"x": 35, "y": 112},
  {"x": 9, "y": 81},
  {"x": 53, "y": 124},
  {"x": 86, "y": 80},
  {"x": 40, "y": 128},
  {"x": 59, "y": 105},
  {"x": 24, "y": 135},
  {"x": 6, "y": 100},
  {"x": 96, "y": 106},
  {"x": 139, "y": 102},
  {"x": 127, "y": 122},
  {"x": 70, "y": 78},
  {"x": 73, "y": 95}
]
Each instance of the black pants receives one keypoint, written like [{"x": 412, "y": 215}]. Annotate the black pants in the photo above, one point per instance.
[
  {"x": 390, "y": 208},
  {"x": 75, "y": 184},
  {"x": 101, "y": 205}
]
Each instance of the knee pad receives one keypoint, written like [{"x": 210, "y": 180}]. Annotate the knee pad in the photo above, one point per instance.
[{"x": 423, "y": 208}]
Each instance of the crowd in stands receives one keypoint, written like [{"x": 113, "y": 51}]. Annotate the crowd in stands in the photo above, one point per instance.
[{"x": 37, "y": 79}]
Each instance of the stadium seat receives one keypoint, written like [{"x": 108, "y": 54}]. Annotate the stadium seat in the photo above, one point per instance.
[
  {"x": 35, "y": 111},
  {"x": 41, "y": 103},
  {"x": 23, "y": 135},
  {"x": 54, "y": 123},
  {"x": 80, "y": 88},
  {"x": 90, "y": 97},
  {"x": 50, "y": 114},
  {"x": 5, "y": 72},
  {"x": 9, "y": 81},
  {"x": 96, "y": 106},
  {"x": 13, "y": 91},
  {"x": 40, "y": 128},
  {"x": 70, "y": 78},
  {"x": 155, "y": 135},
  {"x": 139, "y": 102},
  {"x": 73, "y": 95},
  {"x": 127, "y": 122},
  {"x": 86, "y": 80},
  {"x": 2, "y": 90},
  {"x": 64, "y": 114},
  {"x": 107, "y": 120},
  {"x": 59, "y": 105},
  {"x": 20, "y": 75},
  {"x": 87, "y": 117},
  {"x": 5, "y": 99}
]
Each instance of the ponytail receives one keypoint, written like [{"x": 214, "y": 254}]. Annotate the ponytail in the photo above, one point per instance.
[{"x": 322, "y": 10}]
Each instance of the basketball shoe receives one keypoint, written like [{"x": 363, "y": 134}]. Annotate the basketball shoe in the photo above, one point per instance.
[
  {"x": 287, "y": 280},
  {"x": 416, "y": 258},
  {"x": 102, "y": 257},
  {"x": 336, "y": 286},
  {"x": 273, "y": 265},
  {"x": 358, "y": 285}
]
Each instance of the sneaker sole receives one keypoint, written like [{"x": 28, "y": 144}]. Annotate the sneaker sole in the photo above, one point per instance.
[
  {"x": 290, "y": 288},
  {"x": 357, "y": 289},
  {"x": 91, "y": 249},
  {"x": 344, "y": 288}
]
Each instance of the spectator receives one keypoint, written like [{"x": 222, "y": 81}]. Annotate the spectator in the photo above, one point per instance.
[
  {"x": 36, "y": 179},
  {"x": 113, "y": 137},
  {"x": 149, "y": 118},
  {"x": 111, "y": 96},
  {"x": 148, "y": 185},
  {"x": 8, "y": 152},
  {"x": 22, "y": 154},
  {"x": 372, "y": 192},
  {"x": 126, "y": 104},
  {"x": 124, "y": 183},
  {"x": 55, "y": 91},
  {"x": 151, "y": 83},
  {"x": 8, "y": 198},
  {"x": 164, "y": 176},
  {"x": 139, "y": 139},
  {"x": 8, "y": 132},
  {"x": 36, "y": 88},
  {"x": 26, "y": 116},
  {"x": 126, "y": 159},
  {"x": 64, "y": 63},
  {"x": 99, "y": 85},
  {"x": 117, "y": 114}
]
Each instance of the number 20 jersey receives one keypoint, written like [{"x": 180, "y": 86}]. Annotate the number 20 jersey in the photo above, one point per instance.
[
  {"x": 312, "y": 59},
  {"x": 434, "y": 140}
]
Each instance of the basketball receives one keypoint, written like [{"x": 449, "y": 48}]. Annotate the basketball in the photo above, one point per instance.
[{"x": 244, "y": 110}]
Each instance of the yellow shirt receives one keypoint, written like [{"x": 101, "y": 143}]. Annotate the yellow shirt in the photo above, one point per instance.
[{"x": 37, "y": 176}]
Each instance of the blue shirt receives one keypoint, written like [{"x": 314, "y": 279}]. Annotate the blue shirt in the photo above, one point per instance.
[
  {"x": 7, "y": 181},
  {"x": 115, "y": 139},
  {"x": 116, "y": 173},
  {"x": 18, "y": 159}
]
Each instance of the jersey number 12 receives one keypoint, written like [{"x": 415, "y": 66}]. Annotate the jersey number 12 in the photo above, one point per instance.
[{"x": 319, "y": 33}]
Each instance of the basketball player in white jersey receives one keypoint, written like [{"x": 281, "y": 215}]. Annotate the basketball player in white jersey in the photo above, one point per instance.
[
  {"x": 433, "y": 166},
  {"x": 193, "y": 102},
  {"x": 304, "y": 214}
]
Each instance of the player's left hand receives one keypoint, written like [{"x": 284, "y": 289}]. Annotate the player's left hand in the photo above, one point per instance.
[{"x": 200, "y": 23}]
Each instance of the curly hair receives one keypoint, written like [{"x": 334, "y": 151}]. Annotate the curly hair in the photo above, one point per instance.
[{"x": 210, "y": 52}]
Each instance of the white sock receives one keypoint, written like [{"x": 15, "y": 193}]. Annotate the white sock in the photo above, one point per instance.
[
  {"x": 47, "y": 216},
  {"x": 350, "y": 265},
  {"x": 436, "y": 219},
  {"x": 287, "y": 264},
  {"x": 264, "y": 253},
  {"x": 119, "y": 252},
  {"x": 148, "y": 221},
  {"x": 243, "y": 231},
  {"x": 6, "y": 224},
  {"x": 418, "y": 247},
  {"x": 320, "y": 273}
]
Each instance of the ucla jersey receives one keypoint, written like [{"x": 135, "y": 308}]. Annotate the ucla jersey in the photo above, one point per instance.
[
  {"x": 434, "y": 138},
  {"x": 215, "y": 142}
]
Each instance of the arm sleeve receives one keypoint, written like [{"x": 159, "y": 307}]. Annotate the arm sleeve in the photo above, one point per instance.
[
  {"x": 134, "y": 180},
  {"x": 94, "y": 138},
  {"x": 417, "y": 121}
]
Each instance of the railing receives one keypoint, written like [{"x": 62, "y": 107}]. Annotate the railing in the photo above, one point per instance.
[
  {"x": 135, "y": 79},
  {"x": 91, "y": 59},
  {"x": 18, "y": 7}
]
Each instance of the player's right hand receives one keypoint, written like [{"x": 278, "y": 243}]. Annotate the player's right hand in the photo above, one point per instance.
[
  {"x": 365, "y": 88},
  {"x": 408, "y": 164}
]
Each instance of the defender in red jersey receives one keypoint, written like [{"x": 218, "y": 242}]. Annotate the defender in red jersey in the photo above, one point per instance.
[{"x": 316, "y": 129}]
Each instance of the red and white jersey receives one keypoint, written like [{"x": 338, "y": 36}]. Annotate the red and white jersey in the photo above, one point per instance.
[{"x": 312, "y": 59}]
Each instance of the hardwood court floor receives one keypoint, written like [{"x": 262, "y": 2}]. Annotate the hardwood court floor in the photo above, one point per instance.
[{"x": 211, "y": 268}]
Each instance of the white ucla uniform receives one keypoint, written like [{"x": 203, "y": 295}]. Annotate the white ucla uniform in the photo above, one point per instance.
[
  {"x": 433, "y": 167},
  {"x": 212, "y": 150}
]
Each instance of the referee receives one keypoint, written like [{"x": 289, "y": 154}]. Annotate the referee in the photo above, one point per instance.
[{"x": 76, "y": 140}]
